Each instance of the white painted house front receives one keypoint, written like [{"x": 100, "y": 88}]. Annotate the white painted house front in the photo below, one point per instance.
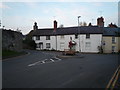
[
  {"x": 86, "y": 44},
  {"x": 87, "y": 38}
]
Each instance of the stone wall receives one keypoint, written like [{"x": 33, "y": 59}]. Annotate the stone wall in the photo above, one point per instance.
[{"x": 11, "y": 40}]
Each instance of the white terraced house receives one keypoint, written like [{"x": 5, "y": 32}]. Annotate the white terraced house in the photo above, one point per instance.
[{"x": 85, "y": 38}]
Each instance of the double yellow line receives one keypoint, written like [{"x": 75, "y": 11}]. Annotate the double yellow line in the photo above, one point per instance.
[{"x": 113, "y": 80}]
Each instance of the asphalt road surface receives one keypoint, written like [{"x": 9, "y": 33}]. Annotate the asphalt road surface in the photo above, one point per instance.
[{"x": 42, "y": 69}]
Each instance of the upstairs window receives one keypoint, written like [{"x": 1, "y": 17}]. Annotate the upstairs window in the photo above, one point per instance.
[
  {"x": 62, "y": 36},
  {"x": 113, "y": 40},
  {"x": 37, "y": 37},
  {"x": 87, "y": 36},
  {"x": 76, "y": 36},
  {"x": 47, "y": 45},
  {"x": 47, "y": 37}
]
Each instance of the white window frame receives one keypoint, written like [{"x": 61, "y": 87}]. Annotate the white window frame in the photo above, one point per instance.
[
  {"x": 37, "y": 37},
  {"x": 113, "y": 40},
  {"x": 87, "y": 45},
  {"x": 87, "y": 36},
  {"x": 47, "y": 37},
  {"x": 48, "y": 45},
  {"x": 113, "y": 48},
  {"x": 62, "y": 37}
]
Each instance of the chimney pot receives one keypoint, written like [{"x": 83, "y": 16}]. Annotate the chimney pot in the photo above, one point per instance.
[{"x": 35, "y": 27}]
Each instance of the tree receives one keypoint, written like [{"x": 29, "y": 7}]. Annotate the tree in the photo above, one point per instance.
[
  {"x": 89, "y": 24},
  {"x": 83, "y": 23},
  {"x": 28, "y": 42},
  {"x": 18, "y": 30},
  {"x": 80, "y": 23},
  {"x": 61, "y": 26}
]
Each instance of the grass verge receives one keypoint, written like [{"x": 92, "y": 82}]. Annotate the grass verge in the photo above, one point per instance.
[{"x": 8, "y": 54}]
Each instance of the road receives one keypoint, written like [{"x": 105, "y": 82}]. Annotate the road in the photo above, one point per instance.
[{"x": 41, "y": 69}]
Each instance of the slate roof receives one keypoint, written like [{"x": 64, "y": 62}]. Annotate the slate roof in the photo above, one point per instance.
[
  {"x": 108, "y": 31},
  {"x": 69, "y": 31}
]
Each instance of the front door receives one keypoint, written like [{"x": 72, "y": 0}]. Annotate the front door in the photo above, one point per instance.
[{"x": 41, "y": 46}]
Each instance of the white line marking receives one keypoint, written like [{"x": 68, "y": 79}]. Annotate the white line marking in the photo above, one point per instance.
[
  {"x": 57, "y": 58},
  {"x": 43, "y": 61},
  {"x": 52, "y": 60},
  {"x": 31, "y": 65},
  {"x": 35, "y": 63}
]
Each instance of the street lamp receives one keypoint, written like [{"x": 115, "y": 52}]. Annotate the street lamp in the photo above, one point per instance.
[{"x": 79, "y": 33}]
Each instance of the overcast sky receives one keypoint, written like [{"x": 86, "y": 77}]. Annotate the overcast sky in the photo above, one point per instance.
[{"x": 22, "y": 15}]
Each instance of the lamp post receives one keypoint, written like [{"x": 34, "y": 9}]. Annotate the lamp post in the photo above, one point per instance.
[{"x": 79, "y": 33}]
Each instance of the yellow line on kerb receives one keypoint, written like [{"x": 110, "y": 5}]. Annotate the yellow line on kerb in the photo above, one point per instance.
[
  {"x": 113, "y": 79},
  {"x": 113, "y": 85}
]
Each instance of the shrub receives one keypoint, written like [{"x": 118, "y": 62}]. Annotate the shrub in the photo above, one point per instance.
[{"x": 29, "y": 44}]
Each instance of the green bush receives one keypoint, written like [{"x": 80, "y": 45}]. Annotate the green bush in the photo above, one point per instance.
[
  {"x": 10, "y": 53},
  {"x": 29, "y": 44}
]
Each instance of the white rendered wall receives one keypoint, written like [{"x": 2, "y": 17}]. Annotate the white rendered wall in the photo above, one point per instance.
[
  {"x": 95, "y": 40},
  {"x": 44, "y": 41},
  {"x": 62, "y": 43}
]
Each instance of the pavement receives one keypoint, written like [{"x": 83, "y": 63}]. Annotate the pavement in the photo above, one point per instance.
[{"x": 43, "y": 69}]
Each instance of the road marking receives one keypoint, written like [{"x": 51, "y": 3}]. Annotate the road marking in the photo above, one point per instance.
[
  {"x": 113, "y": 80},
  {"x": 35, "y": 63},
  {"x": 57, "y": 58},
  {"x": 43, "y": 61},
  {"x": 116, "y": 78},
  {"x": 31, "y": 65},
  {"x": 52, "y": 60}
]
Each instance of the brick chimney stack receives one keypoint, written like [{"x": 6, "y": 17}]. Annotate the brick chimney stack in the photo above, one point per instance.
[
  {"x": 35, "y": 27},
  {"x": 100, "y": 22},
  {"x": 112, "y": 25},
  {"x": 55, "y": 25}
]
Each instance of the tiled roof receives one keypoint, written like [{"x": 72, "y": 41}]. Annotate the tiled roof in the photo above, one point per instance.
[
  {"x": 108, "y": 31},
  {"x": 69, "y": 30}
]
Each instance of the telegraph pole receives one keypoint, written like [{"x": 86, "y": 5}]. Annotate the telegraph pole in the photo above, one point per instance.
[
  {"x": 79, "y": 33},
  {"x": 0, "y": 23}
]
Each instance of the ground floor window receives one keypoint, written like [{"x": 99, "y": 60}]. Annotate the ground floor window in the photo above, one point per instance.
[
  {"x": 62, "y": 45},
  {"x": 39, "y": 45},
  {"x": 87, "y": 45},
  {"x": 113, "y": 40},
  {"x": 113, "y": 48},
  {"x": 48, "y": 45}
]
